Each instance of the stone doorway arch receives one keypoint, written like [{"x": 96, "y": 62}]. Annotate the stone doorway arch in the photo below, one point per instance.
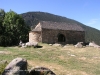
[{"x": 61, "y": 38}]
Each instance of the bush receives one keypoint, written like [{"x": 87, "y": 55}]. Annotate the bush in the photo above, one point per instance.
[{"x": 2, "y": 67}]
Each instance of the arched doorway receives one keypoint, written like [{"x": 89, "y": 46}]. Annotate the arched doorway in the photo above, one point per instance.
[{"x": 61, "y": 38}]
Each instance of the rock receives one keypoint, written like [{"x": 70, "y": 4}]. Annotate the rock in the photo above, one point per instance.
[
  {"x": 23, "y": 45},
  {"x": 30, "y": 44},
  {"x": 93, "y": 44},
  {"x": 41, "y": 71},
  {"x": 57, "y": 45},
  {"x": 87, "y": 45},
  {"x": 17, "y": 66},
  {"x": 79, "y": 45},
  {"x": 72, "y": 55},
  {"x": 20, "y": 43},
  {"x": 65, "y": 46},
  {"x": 50, "y": 44},
  {"x": 96, "y": 46}
]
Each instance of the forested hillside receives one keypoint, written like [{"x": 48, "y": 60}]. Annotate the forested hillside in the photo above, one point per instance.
[{"x": 32, "y": 18}]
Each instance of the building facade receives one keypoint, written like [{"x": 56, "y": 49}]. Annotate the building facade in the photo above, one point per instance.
[{"x": 57, "y": 32}]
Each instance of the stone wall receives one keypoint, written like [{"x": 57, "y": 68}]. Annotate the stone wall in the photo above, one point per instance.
[
  {"x": 35, "y": 36},
  {"x": 51, "y": 36},
  {"x": 71, "y": 37}
]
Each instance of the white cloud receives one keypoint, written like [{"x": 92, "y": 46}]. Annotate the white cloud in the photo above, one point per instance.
[
  {"x": 92, "y": 21},
  {"x": 95, "y": 23}
]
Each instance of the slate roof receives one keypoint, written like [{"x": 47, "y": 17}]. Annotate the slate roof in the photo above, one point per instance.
[{"x": 58, "y": 26}]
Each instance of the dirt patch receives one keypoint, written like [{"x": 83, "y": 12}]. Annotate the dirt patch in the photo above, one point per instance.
[
  {"x": 57, "y": 69},
  {"x": 82, "y": 58},
  {"x": 5, "y": 52},
  {"x": 75, "y": 72}
]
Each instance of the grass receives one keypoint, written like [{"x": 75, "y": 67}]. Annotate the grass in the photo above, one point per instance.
[{"x": 61, "y": 60}]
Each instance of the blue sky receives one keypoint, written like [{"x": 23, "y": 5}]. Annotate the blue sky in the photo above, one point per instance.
[{"x": 84, "y": 11}]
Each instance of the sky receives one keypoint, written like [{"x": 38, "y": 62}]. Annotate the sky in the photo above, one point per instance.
[{"x": 84, "y": 11}]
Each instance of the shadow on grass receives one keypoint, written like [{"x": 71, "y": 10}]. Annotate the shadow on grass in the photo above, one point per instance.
[{"x": 39, "y": 46}]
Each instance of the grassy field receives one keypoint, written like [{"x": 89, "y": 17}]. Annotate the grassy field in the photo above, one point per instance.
[{"x": 61, "y": 60}]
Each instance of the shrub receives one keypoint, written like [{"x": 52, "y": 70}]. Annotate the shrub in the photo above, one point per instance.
[{"x": 2, "y": 67}]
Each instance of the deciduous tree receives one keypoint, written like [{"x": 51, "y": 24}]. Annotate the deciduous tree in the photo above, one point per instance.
[{"x": 15, "y": 29}]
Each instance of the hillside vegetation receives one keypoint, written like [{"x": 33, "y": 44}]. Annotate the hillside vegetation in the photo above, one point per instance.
[
  {"x": 32, "y": 18},
  {"x": 61, "y": 60}
]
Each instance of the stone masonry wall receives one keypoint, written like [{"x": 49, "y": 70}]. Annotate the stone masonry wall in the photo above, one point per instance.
[
  {"x": 35, "y": 36},
  {"x": 71, "y": 37}
]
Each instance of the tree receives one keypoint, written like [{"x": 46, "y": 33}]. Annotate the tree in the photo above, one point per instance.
[
  {"x": 2, "y": 15},
  {"x": 15, "y": 29}
]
